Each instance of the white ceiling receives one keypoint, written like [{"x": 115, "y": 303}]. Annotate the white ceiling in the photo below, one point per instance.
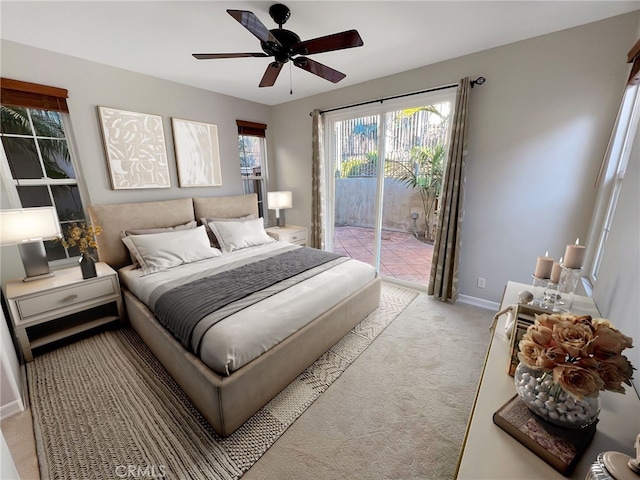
[{"x": 157, "y": 38}]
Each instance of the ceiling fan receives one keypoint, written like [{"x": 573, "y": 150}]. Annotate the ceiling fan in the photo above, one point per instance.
[{"x": 285, "y": 45}]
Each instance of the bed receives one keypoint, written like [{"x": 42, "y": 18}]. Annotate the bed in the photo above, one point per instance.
[{"x": 247, "y": 355}]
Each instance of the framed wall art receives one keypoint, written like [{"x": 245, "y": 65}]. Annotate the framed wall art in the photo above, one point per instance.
[
  {"x": 197, "y": 153},
  {"x": 135, "y": 148}
]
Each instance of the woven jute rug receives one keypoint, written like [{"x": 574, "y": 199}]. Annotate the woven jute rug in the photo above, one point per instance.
[{"x": 104, "y": 407}]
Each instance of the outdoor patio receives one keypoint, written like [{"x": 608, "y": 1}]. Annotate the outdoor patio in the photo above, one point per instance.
[{"x": 403, "y": 256}]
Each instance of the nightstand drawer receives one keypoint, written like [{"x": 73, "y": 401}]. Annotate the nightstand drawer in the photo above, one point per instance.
[
  {"x": 295, "y": 237},
  {"x": 49, "y": 302}
]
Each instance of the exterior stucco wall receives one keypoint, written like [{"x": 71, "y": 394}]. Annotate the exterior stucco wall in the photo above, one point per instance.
[{"x": 356, "y": 201}]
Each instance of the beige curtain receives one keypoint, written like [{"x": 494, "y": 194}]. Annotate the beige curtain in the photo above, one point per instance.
[
  {"x": 443, "y": 281},
  {"x": 316, "y": 239}
]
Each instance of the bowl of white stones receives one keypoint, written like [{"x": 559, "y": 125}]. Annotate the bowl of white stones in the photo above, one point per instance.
[{"x": 551, "y": 402}]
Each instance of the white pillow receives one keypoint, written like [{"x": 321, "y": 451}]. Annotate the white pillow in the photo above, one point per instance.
[
  {"x": 146, "y": 231},
  {"x": 237, "y": 235},
  {"x": 161, "y": 251},
  {"x": 212, "y": 236}
]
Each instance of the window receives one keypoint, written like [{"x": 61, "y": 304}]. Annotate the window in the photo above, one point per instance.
[
  {"x": 252, "y": 146},
  {"x": 36, "y": 163},
  {"x": 612, "y": 175},
  {"x": 613, "y": 169}
]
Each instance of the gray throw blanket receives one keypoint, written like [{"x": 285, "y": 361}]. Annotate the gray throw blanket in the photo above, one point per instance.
[{"x": 180, "y": 309}]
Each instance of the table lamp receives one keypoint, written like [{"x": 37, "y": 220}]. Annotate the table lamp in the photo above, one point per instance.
[
  {"x": 278, "y": 201},
  {"x": 27, "y": 228}
]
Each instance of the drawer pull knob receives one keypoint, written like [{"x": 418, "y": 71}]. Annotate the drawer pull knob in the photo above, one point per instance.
[{"x": 68, "y": 298}]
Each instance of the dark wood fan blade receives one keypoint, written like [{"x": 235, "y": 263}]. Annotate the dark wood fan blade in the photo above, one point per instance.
[
  {"x": 319, "y": 69},
  {"x": 252, "y": 23},
  {"x": 337, "y": 41},
  {"x": 208, "y": 56},
  {"x": 271, "y": 74}
]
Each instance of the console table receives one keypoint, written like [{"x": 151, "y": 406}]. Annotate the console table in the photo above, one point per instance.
[{"x": 490, "y": 453}]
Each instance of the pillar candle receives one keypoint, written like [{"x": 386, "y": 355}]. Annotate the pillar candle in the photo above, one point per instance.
[
  {"x": 555, "y": 271},
  {"x": 543, "y": 267},
  {"x": 574, "y": 255}
]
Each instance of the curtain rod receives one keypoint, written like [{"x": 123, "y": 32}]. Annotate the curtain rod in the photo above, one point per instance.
[{"x": 477, "y": 81}]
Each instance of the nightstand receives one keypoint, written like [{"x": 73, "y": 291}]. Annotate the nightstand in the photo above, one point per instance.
[
  {"x": 289, "y": 233},
  {"x": 44, "y": 311}
]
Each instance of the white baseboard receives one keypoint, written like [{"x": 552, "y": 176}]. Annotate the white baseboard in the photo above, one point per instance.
[
  {"x": 479, "y": 302},
  {"x": 11, "y": 409}
]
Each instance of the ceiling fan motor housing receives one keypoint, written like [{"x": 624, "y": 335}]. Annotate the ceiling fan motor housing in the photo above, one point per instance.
[{"x": 282, "y": 52}]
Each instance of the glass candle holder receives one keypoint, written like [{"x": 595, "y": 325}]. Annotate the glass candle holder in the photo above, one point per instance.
[
  {"x": 539, "y": 285},
  {"x": 569, "y": 278},
  {"x": 550, "y": 294}
]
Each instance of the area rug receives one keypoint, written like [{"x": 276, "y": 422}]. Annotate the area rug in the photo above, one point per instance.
[{"x": 104, "y": 407}]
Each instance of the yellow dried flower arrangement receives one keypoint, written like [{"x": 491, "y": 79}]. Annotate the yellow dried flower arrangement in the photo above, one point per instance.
[{"x": 81, "y": 235}]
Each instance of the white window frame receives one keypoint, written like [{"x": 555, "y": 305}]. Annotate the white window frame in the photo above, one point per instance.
[
  {"x": 262, "y": 178},
  {"x": 11, "y": 184},
  {"x": 611, "y": 177}
]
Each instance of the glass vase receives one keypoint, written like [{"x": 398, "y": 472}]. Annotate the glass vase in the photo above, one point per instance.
[
  {"x": 551, "y": 402},
  {"x": 87, "y": 266},
  {"x": 569, "y": 278}
]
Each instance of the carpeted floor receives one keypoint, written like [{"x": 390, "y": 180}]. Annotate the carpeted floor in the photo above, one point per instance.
[
  {"x": 399, "y": 411},
  {"x": 103, "y": 407}
]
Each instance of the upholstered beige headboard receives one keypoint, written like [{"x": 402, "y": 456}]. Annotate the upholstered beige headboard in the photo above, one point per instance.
[
  {"x": 226, "y": 207},
  {"x": 115, "y": 218}
]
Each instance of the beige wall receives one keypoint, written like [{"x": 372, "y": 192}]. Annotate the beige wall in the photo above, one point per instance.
[{"x": 538, "y": 130}]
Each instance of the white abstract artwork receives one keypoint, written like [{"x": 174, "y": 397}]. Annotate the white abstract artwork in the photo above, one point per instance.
[
  {"x": 197, "y": 153},
  {"x": 135, "y": 149}
]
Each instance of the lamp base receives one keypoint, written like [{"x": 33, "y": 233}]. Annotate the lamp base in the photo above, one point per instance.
[
  {"x": 34, "y": 259},
  {"x": 279, "y": 218},
  {"x": 38, "y": 277}
]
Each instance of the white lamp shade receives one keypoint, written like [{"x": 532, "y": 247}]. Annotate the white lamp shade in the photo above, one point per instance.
[
  {"x": 279, "y": 200},
  {"x": 24, "y": 224}
]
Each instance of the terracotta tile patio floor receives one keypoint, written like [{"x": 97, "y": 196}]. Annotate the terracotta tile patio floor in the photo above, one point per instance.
[{"x": 403, "y": 256}]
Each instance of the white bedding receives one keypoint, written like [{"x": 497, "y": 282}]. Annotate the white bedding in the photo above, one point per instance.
[{"x": 243, "y": 336}]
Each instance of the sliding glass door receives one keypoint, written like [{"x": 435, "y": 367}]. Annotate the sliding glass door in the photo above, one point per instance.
[{"x": 386, "y": 163}]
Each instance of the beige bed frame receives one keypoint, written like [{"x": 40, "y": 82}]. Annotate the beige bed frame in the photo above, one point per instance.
[{"x": 225, "y": 401}]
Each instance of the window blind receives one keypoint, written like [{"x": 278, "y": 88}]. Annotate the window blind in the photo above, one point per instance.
[
  {"x": 251, "y": 128},
  {"x": 33, "y": 95}
]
